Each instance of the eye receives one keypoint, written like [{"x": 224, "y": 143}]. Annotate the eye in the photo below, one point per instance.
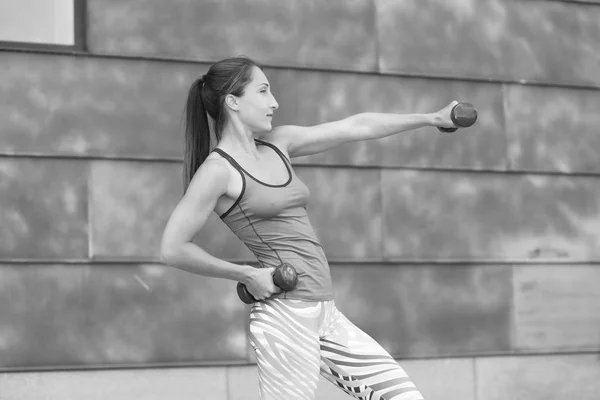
[{"x": 263, "y": 90}]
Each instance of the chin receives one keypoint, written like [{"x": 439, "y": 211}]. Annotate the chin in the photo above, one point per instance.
[{"x": 266, "y": 128}]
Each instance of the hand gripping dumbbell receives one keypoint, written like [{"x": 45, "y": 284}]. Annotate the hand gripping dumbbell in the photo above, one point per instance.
[
  {"x": 285, "y": 277},
  {"x": 463, "y": 115}
]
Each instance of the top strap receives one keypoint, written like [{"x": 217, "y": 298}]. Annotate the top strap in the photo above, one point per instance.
[
  {"x": 241, "y": 169},
  {"x": 241, "y": 172},
  {"x": 279, "y": 152},
  {"x": 230, "y": 159}
]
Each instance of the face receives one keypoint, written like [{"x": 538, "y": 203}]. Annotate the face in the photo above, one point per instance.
[{"x": 256, "y": 106}]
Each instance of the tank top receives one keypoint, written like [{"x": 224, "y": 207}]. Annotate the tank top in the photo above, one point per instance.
[{"x": 272, "y": 221}]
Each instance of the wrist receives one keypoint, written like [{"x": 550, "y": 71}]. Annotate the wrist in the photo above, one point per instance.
[
  {"x": 434, "y": 119},
  {"x": 247, "y": 273}
]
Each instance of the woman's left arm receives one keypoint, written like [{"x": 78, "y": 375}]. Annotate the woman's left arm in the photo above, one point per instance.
[{"x": 301, "y": 141}]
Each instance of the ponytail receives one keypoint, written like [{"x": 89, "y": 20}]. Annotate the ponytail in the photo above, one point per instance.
[
  {"x": 197, "y": 133},
  {"x": 206, "y": 98}
]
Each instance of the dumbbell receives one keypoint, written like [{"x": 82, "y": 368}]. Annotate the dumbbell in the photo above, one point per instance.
[
  {"x": 463, "y": 115},
  {"x": 285, "y": 277}
]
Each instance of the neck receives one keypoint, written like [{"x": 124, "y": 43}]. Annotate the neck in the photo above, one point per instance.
[{"x": 238, "y": 139}]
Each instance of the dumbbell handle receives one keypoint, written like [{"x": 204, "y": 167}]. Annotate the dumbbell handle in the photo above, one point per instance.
[{"x": 463, "y": 115}]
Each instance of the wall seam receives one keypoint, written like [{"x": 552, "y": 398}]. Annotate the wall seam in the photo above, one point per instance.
[
  {"x": 387, "y": 261},
  {"x": 513, "y": 316},
  {"x": 449, "y": 170},
  {"x": 475, "y": 379},
  {"x": 227, "y": 386},
  {"x": 377, "y": 37},
  {"x": 6, "y": 47},
  {"x": 383, "y": 247},
  {"x": 508, "y": 163},
  {"x": 241, "y": 363},
  {"x": 89, "y": 184}
]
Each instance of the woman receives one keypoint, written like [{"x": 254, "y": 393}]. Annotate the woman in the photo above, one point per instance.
[{"x": 246, "y": 177}]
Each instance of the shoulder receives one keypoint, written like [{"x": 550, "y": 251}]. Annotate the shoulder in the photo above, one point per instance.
[
  {"x": 304, "y": 140},
  {"x": 283, "y": 132},
  {"x": 212, "y": 177},
  {"x": 215, "y": 162},
  {"x": 278, "y": 143},
  {"x": 282, "y": 136}
]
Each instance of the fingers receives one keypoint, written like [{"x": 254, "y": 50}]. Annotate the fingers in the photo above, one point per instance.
[
  {"x": 262, "y": 285},
  {"x": 450, "y": 106},
  {"x": 264, "y": 290},
  {"x": 265, "y": 294}
]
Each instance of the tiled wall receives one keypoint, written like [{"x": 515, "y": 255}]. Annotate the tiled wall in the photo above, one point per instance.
[{"x": 479, "y": 247}]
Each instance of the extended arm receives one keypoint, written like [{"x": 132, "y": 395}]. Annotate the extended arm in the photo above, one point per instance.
[{"x": 301, "y": 141}]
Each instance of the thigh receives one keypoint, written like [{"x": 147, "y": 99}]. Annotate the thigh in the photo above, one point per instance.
[
  {"x": 355, "y": 362},
  {"x": 284, "y": 336}
]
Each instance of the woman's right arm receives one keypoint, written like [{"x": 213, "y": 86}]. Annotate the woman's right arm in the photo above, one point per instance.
[{"x": 177, "y": 250}]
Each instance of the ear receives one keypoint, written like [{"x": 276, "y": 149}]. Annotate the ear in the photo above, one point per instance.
[{"x": 232, "y": 102}]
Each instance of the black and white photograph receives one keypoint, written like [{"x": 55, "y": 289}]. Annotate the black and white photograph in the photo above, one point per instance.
[{"x": 299, "y": 199}]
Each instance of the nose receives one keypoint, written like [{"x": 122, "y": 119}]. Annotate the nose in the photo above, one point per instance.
[{"x": 274, "y": 104}]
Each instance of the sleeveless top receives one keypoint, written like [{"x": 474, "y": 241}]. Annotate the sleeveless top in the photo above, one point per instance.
[{"x": 271, "y": 220}]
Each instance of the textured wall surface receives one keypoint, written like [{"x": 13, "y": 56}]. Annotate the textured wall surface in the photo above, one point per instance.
[
  {"x": 319, "y": 33},
  {"x": 447, "y": 249},
  {"x": 550, "y": 41}
]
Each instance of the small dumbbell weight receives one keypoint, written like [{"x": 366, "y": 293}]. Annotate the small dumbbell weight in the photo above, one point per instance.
[
  {"x": 285, "y": 277},
  {"x": 463, "y": 115}
]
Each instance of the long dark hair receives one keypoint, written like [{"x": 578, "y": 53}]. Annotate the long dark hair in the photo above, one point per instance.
[{"x": 207, "y": 96}]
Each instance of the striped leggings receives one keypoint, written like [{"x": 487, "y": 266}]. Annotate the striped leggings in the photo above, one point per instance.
[{"x": 295, "y": 340}]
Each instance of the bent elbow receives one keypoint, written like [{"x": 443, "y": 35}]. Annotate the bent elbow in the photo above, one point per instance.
[
  {"x": 167, "y": 255},
  {"x": 165, "y": 258}
]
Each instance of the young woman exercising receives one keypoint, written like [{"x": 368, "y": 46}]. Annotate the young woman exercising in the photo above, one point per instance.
[{"x": 245, "y": 175}]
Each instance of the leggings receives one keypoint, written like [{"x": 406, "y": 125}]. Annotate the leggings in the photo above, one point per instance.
[{"x": 295, "y": 340}]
